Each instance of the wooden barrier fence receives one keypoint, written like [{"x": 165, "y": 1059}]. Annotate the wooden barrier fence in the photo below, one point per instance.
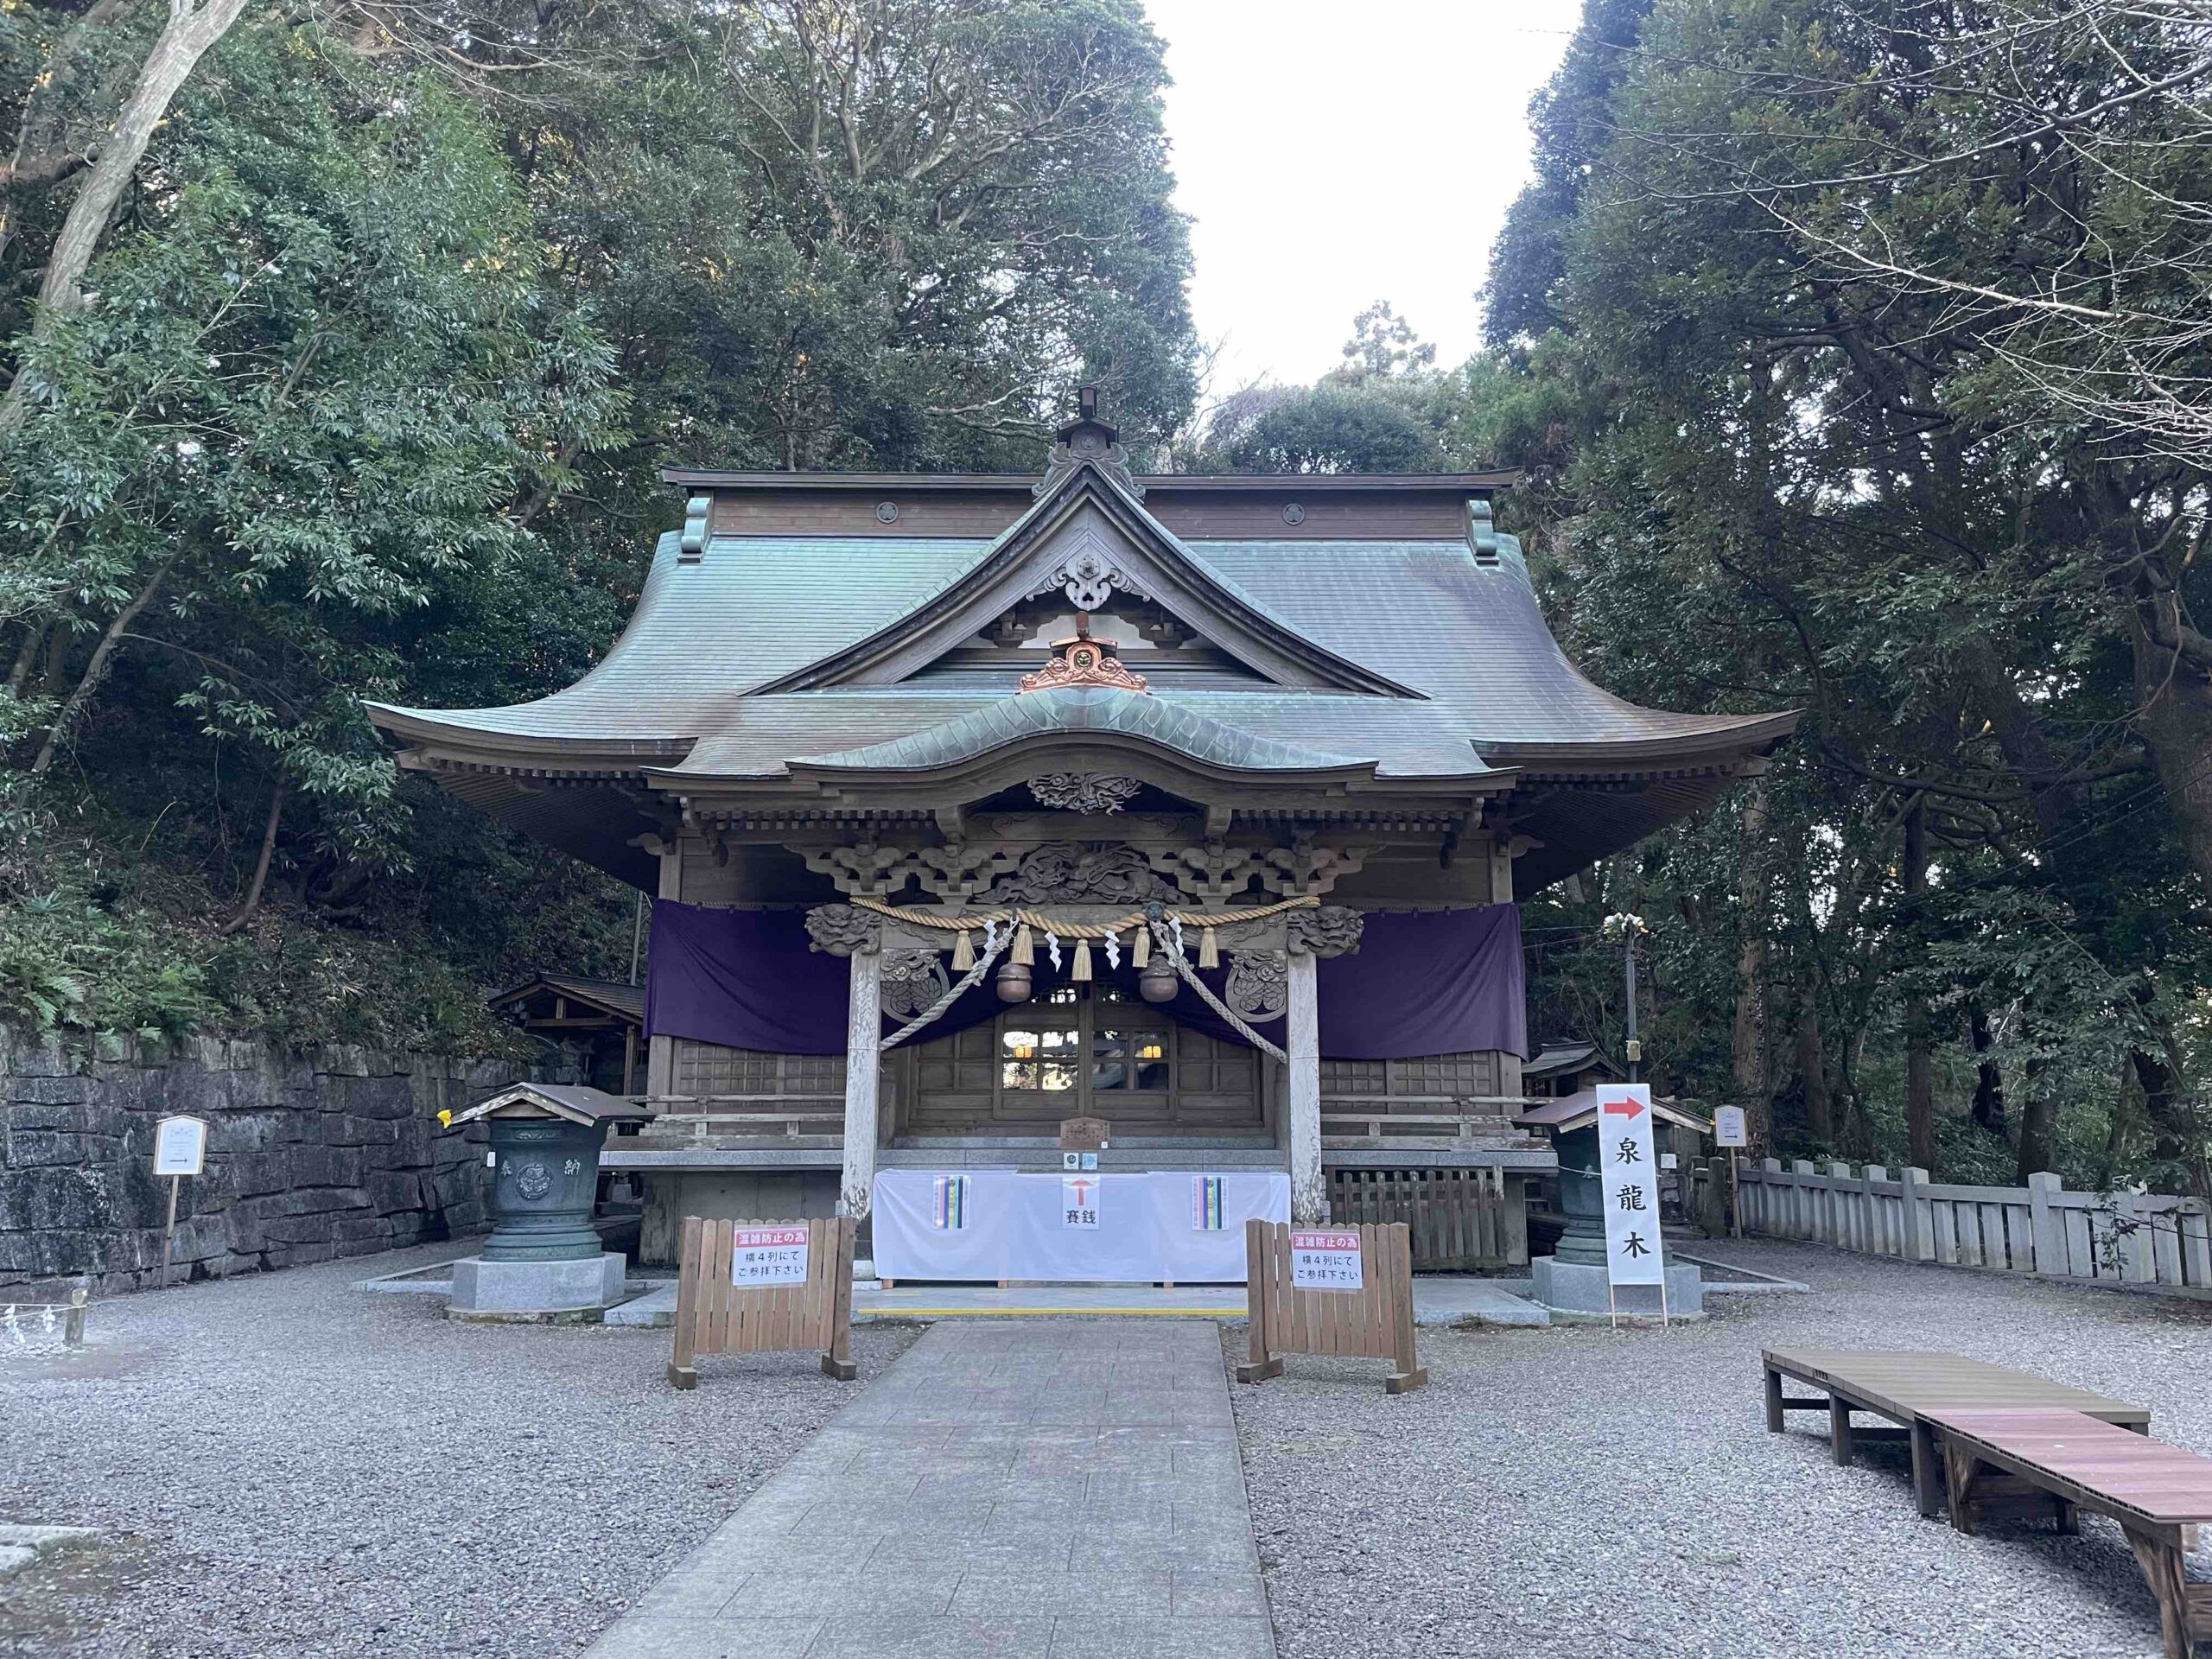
[
  {"x": 715, "y": 1316},
  {"x": 1458, "y": 1220},
  {"x": 1374, "y": 1321},
  {"x": 2116, "y": 1237}
]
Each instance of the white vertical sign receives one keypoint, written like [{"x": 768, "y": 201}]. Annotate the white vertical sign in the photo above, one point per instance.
[
  {"x": 1728, "y": 1127},
  {"x": 1628, "y": 1184}
]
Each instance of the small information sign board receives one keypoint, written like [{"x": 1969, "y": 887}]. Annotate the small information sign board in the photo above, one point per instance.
[
  {"x": 1084, "y": 1134},
  {"x": 179, "y": 1149},
  {"x": 1628, "y": 1189},
  {"x": 768, "y": 1255},
  {"x": 180, "y": 1146},
  {"x": 760, "y": 1287},
  {"x": 1331, "y": 1290},
  {"x": 1326, "y": 1259},
  {"x": 1729, "y": 1133}
]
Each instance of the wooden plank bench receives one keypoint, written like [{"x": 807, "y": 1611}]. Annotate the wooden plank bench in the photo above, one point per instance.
[
  {"x": 1905, "y": 1386},
  {"x": 2063, "y": 1461}
]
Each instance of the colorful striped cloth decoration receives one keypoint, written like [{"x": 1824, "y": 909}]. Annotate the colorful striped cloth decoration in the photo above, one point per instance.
[
  {"x": 950, "y": 1210},
  {"x": 1207, "y": 1215}
]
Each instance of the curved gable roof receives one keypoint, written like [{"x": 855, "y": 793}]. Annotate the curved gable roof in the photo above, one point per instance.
[{"x": 1089, "y": 709}]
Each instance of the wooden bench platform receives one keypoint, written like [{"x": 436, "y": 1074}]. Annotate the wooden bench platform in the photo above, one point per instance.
[
  {"x": 1907, "y": 1386},
  {"x": 2063, "y": 1461}
]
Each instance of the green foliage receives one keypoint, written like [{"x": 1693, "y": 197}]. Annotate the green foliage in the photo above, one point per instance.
[
  {"x": 1763, "y": 478},
  {"x": 382, "y": 360}
]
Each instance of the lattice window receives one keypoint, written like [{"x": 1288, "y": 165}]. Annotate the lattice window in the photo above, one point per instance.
[
  {"x": 1446, "y": 1074},
  {"x": 959, "y": 1063},
  {"x": 708, "y": 1069},
  {"x": 1206, "y": 1066},
  {"x": 1355, "y": 1078}
]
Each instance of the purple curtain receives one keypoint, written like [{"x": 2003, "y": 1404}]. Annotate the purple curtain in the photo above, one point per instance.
[
  {"x": 1429, "y": 982},
  {"x": 744, "y": 979}
]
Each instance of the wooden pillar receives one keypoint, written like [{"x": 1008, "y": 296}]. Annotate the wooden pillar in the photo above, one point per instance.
[
  {"x": 863, "y": 1035},
  {"x": 1309, "y": 1194},
  {"x": 2044, "y": 1224}
]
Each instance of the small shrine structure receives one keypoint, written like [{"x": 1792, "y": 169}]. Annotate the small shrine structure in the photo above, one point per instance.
[{"x": 973, "y": 804}]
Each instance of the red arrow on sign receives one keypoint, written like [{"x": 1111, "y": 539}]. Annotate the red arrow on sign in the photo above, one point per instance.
[{"x": 1628, "y": 1108}]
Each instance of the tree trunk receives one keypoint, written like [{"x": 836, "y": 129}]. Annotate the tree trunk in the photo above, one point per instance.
[
  {"x": 246, "y": 911},
  {"x": 1813, "y": 1067},
  {"x": 183, "y": 40},
  {"x": 2176, "y": 1136},
  {"x": 95, "y": 671},
  {"x": 1919, "y": 1050},
  {"x": 1749, "y": 1040},
  {"x": 19, "y": 674},
  {"x": 2039, "y": 1118},
  {"x": 1989, "y": 1080}
]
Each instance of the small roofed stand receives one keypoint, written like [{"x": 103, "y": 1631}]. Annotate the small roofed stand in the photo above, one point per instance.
[{"x": 973, "y": 804}]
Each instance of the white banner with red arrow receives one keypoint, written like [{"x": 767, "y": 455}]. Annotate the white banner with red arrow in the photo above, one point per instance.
[{"x": 1627, "y": 1183}]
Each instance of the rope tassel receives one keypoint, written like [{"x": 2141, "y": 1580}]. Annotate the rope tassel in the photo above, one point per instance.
[
  {"x": 1141, "y": 954},
  {"x": 963, "y": 952},
  {"x": 1025, "y": 947},
  {"x": 1082, "y": 969},
  {"x": 1209, "y": 950}
]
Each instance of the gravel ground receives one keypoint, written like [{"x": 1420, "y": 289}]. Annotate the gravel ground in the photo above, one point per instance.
[
  {"x": 1577, "y": 1491},
  {"x": 287, "y": 1467}
]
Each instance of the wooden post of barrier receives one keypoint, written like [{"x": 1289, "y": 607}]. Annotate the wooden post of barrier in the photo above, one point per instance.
[
  {"x": 1331, "y": 1290},
  {"x": 767, "y": 1287}
]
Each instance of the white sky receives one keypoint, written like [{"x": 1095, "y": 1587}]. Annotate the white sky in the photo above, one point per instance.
[{"x": 1338, "y": 152}]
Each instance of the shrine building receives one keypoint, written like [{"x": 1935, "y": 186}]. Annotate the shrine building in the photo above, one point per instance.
[{"x": 972, "y": 805}]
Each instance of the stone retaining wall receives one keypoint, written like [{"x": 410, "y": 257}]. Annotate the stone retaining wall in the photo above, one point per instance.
[{"x": 332, "y": 1153}]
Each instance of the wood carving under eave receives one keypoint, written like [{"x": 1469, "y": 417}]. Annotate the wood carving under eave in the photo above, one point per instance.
[
  {"x": 911, "y": 980},
  {"x": 841, "y": 930},
  {"x": 867, "y": 868},
  {"x": 1304, "y": 868},
  {"x": 1328, "y": 930},
  {"x": 1214, "y": 872},
  {"x": 1259, "y": 984},
  {"x": 1061, "y": 873}
]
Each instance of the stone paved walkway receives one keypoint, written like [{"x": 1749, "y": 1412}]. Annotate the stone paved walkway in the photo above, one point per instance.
[{"x": 1048, "y": 1489}]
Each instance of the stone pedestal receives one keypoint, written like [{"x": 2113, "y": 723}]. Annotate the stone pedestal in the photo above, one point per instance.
[
  {"x": 577, "y": 1290},
  {"x": 1576, "y": 1290}
]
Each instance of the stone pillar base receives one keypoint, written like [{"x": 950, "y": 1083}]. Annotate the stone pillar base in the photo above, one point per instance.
[
  {"x": 576, "y": 1292},
  {"x": 1572, "y": 1290}
]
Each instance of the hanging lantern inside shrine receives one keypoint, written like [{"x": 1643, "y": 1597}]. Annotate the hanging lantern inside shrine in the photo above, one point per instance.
[
  {"x": 1157, "y": 982},
  {"x": 1013, "y": 983}
]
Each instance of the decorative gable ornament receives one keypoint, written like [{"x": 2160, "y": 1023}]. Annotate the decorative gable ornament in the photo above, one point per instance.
[
  {"x": 1085, "y": 792},
  {"x": 1089, "y": 578},
  {"x": 1082, "y": 661},
  {"x": 1087, "y": 438}
]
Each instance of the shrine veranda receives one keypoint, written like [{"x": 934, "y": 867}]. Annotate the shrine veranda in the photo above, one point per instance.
[{"x": 970, "y": 805}]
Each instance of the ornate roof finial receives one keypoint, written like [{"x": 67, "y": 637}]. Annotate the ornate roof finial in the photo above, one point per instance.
[
  {"x": 1088, "y": 438},
  {"x": 1082, "y": 661}
]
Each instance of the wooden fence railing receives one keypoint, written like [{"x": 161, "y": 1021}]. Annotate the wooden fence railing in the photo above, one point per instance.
[
  {"x": 2132, "y": 1238},
  {"x": 1459, "y": 1220}
]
